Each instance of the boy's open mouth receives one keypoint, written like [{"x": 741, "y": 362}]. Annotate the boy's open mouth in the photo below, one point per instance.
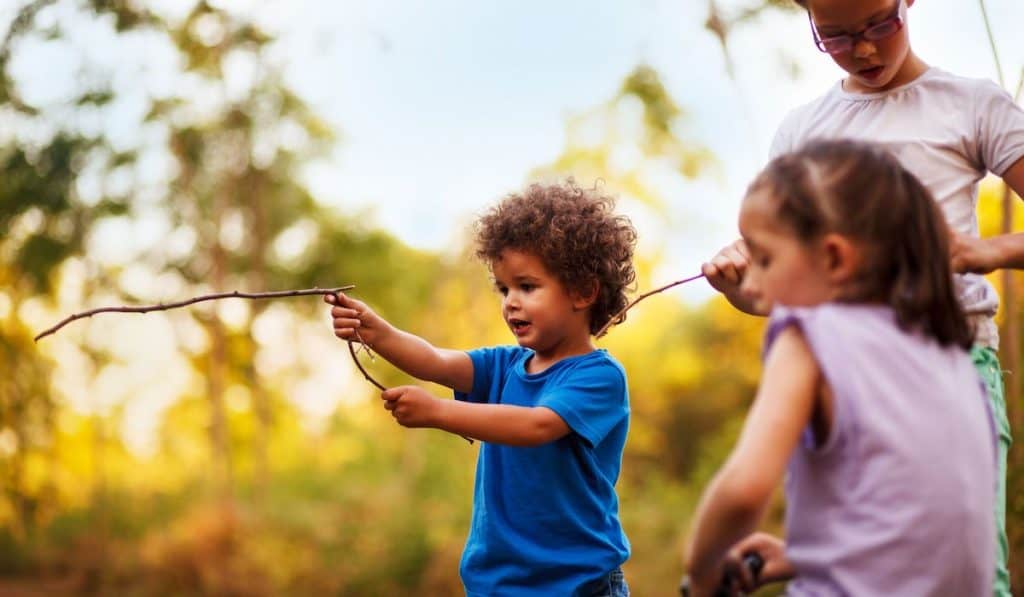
[{"x": 518, "y": 326}]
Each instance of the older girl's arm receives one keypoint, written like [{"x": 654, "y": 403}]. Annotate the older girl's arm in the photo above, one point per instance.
[{"x": 984, "y": 255}]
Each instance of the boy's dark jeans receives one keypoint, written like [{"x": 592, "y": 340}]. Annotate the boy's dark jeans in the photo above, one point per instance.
[{"x": 612, "y": 584}]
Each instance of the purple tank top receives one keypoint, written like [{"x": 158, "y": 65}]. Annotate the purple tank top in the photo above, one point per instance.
[{"x": 898, "y": 499}]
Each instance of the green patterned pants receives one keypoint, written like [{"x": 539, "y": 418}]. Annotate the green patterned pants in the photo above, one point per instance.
[{"x": 987, "y": 363}]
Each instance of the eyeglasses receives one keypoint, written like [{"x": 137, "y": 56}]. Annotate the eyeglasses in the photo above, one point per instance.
[{"x": 845, "y": 43}]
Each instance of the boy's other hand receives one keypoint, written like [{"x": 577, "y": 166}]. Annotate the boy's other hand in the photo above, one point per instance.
[
  {"x": 353, "y": 320},
  {"x": 412, "y": 406}
]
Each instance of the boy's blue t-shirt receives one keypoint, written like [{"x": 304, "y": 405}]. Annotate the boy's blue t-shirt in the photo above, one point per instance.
[{"x": 546, "y": 518}]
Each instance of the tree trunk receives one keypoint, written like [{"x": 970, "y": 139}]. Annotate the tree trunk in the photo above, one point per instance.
[
  {"x": 217, "y": 379},
  {"x": 1011, "y": 323},
  {"x": 258, "y": 283}
]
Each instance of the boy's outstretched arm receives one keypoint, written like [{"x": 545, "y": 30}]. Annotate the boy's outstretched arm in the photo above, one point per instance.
[
  {"x": 505, "y": 424},
  {"x": 355, "y": 321},
  {"x": 725, "y": 273},
  {"x": 733, "y": 503},
  {"x": 984, "y": 255}
]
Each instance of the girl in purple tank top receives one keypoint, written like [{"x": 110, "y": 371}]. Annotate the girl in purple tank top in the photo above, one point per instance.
[{"x": 869, "y": 404}]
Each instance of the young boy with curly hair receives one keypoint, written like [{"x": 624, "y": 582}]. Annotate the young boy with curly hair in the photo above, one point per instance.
[{"x": 552, "y": 412}]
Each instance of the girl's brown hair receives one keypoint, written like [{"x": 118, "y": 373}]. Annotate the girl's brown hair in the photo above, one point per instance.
[
  {"x": 860, "y": 191},
  {"x": 577, "y": 235}
]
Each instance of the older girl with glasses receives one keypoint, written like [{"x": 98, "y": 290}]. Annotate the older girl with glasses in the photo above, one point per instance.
[{"x": 949, "y": 131}]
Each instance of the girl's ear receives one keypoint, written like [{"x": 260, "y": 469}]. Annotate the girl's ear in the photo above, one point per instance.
[
  {"x": 583, "y": 300},
  {"x": 842, "y": 257}
]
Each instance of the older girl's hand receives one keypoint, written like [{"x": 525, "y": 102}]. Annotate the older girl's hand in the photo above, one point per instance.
[{"x": 973, "y": 255}]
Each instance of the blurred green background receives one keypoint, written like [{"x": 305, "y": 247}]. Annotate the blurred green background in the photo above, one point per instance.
[{"x": 231, "y": 448}]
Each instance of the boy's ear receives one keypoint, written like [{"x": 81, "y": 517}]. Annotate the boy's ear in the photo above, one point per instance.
[
  {"x": 583, "y": 300},
  {"x": 842, "y": 257}
]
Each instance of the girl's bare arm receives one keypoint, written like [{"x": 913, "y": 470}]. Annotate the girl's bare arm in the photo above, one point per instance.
[{"x": 733, "y": 503}]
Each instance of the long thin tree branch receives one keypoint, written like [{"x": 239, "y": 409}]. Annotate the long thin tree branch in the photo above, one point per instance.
[
  {"x": 352, "y": 351},
  {"x": 618, "y": 317},
  {"x": 191, "y": 301},
  {"x": 222, "y": 295}
]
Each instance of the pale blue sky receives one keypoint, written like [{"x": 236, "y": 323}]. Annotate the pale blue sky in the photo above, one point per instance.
[{"x": 444, "y": 106}]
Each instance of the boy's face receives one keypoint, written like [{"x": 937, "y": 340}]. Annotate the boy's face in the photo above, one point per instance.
[
  {"x": 873, "y": 64},
  {"x": 542, "y": 314}
]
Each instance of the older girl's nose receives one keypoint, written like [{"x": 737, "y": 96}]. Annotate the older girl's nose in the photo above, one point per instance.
[{"x": 864, "y": 48}]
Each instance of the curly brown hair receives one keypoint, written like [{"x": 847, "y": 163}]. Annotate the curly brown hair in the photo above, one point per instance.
[{"x": 575, "y": 233}]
